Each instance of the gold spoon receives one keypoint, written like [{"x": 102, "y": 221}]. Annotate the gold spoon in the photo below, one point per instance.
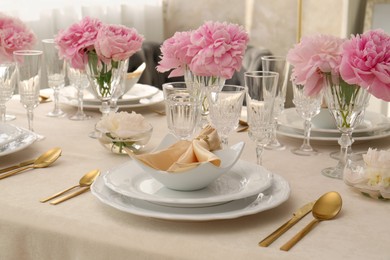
[
  {"x": 49, "y": 153},
  {"x": 325, "y": 208},
  {"x": 41, "y": 162},
  {"x": 85, "y": 181}
]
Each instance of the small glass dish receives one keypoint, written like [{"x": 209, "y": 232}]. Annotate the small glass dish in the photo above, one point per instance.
[
  {"x": 369, "y": 181},
  {"x": 135, "y": 143}
]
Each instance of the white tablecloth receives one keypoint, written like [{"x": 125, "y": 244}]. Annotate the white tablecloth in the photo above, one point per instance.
[{"x": 84, "y": 228}]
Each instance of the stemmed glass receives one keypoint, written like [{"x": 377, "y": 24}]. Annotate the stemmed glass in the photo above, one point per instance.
[
  {"x": 7, "y": 86},
  {"x": 280, "y": 65},
  {"x": 28, "y": 63},
  {"x": 307, "y": 107},
  {"x": 79, "y": 80},
  {"x": 55, "y": 68},
  {"x": 260, "y": 97},
  {"x": 225, "y": 109},
  {"x": 183, "y": 109},
  {"x": 347, "y": 105}
]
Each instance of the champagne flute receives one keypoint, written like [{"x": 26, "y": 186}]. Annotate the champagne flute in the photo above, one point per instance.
[
  {"x": 260, "y": 98},
  {"x": 280, "y": 65},
  {"x": 7, "y": 86},
  {"x": 225, "y": 109},
  {"x": 55, "y": 69},
  {"x": 307, "y": 107},
  {"x": 79, "y": 80},
  {"x": 28, "y": 63}
]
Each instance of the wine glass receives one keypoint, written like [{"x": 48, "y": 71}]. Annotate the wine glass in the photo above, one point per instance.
[
  {"x": 347, "y": 104},
  {"x": 79, "y": 80},
  {"x": 307, "y": 107},
  {"x": 183, "y": 109},
  {"x": 28, "y": 63},
  {"x": 7, "y": 86},
  {"x": 280, "y": 65},
  {"x": 120, "y": 89},
  {"x": 225, "y": 109},
  {"x": 260, "y": 98},
  {"x": 55, "y": 69}
]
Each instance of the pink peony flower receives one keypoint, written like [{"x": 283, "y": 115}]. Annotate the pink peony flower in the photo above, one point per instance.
[
  {"x": 174, "y": 54},
  {"x": 313, "y": 57},
  {"x": 117, "y": 42},
  {"x": 74, "y": 42},
  {"x": 366, "y": 62},
  {"x": 217, "y": 49},
  {"x": 14, "y": 35}
]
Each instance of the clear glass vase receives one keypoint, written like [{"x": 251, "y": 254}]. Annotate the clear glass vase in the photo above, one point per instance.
[{"x": 347, "y": 104}]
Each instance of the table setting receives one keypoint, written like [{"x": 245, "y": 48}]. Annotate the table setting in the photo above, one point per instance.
[{"x": 151, "y": 185}]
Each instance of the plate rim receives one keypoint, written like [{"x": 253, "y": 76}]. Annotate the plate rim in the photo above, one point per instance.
[
  {"x": 189, "y": 201},
  {"x": 28, "y": 134},
  {"x": 252, "y": 208}
]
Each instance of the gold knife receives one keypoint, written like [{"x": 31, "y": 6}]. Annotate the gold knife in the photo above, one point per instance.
[
  {"x": 297, "y": 215},
  {"x": 71, "y": 195}
]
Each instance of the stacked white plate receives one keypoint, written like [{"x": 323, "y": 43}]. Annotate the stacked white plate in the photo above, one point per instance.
[
  {"x": 13, "y": 139},
  {"x": 374, "y": 126},
  {"x": 138, "y": 96},
  {"x": 246, "y": 189}
]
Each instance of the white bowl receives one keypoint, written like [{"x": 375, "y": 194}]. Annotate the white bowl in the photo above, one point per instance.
[
  {"x": 133, "y": 77},
  {"x": 196, "y": 178}
]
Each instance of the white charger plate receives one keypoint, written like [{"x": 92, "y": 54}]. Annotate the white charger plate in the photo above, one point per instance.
[
  {"x": 25, "y": 139},
  {"x": 8, "y": 133},
  {"x": 243, "y": 180},
  {"x": 323, "y": 123},
  {"x": 278, "y": 193}
]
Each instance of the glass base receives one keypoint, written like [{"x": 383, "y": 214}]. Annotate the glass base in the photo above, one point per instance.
[
  {"x": 275, "y": 146},
  {"x": 354, "y": 156},
  {"x": 80, "y": 117},
  {"x": 95, "y": 134},
  {"x": 304, "y": 152},
  {"x": 333, "y": 172},
  {"x": 10, "y": 117},
  {"x": 58, "y": 113}
]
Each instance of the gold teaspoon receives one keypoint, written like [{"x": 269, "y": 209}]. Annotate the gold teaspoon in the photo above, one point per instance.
[
  {"x": 85, "y": 181},
  {"x": 41, "y": 162},
  {"x": 325, "y": 208}
]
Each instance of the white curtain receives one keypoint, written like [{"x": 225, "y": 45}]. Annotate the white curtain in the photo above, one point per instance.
[{"x": 47, "y": 17}]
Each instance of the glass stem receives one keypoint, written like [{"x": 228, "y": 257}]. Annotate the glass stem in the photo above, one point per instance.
[
  {"x": 56, "y": 95},
  {"x": 225, "y": 141},
  {"x": 273, "y": 139},
  {"x": 105, "y": 108},
  {"x": 114, "y": 105},
  {"x": 30, "y": 118},
  {"x": 259, "y": 153},
  {"x": 345, "y": 142},
  {"x": 2, "y": 113},
  {"x": 306, "y": 141},
  {"x": 80, "y": 96}
]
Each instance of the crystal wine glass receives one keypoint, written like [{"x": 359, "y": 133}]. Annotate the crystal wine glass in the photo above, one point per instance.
[
  {"x": 307, "y": 107},
  {"x": 280, "y": 65},
  {"x": 55, "y": 69},
  {"x": 79, "y": 80},
  {"x": 183, "y": 109},
  {"x": 7, "y": 86},
  {"x": 260, "y": 97},
  {"x": 29, "y": 64},
  {"x": 347, "y": 105},
  {"x": 225, "y": 109}
]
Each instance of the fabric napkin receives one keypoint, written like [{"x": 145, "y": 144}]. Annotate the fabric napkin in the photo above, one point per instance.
[{"x": 184, "y": 155}]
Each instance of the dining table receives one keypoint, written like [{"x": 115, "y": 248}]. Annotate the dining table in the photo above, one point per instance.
[{"x": 85, "y": 228}]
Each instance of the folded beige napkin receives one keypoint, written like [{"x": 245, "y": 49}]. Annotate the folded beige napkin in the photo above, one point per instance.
[{"x": 184, "y": 154}]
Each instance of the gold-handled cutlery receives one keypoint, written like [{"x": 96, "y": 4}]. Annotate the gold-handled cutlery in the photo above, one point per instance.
[
  {"x": 242, "y": 126},
  {"x": 50, "y": 153},
  {"x": 84, "y": 183},
  {"x": 41, "y": 162},
  {"x": 325, "y": 208},
  {"x": 297, "y": 215}
]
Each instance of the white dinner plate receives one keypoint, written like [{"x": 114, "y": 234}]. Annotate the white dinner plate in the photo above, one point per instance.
[
  {"x": 333, "y": 137},
  {"x": 243, "y": 180},
  {"x": 268, "y": 199},
  {"x": 324, "y": 123},
  {"x": 22, "y": 141}
]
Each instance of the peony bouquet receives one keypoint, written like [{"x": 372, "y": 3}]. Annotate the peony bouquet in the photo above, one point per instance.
[
  {"x": 98, "y": 48},
  {"x": 362, "y": 60},
  {"x": 215, "y": 49},
  {"x": 14, "y": 35}
]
